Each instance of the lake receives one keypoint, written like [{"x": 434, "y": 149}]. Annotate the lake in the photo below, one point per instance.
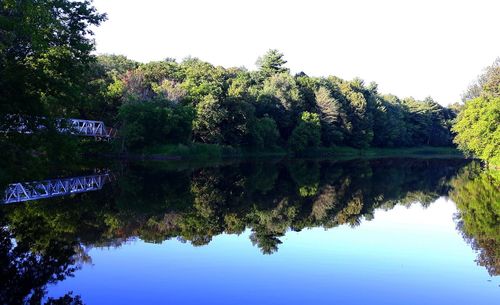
[{"x": 290, "y": 231}]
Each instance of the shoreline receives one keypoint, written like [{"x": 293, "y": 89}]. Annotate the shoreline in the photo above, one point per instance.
[{"x": 215, "y": 152}]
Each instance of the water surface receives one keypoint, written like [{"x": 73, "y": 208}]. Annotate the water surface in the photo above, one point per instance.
[{"x": 390, "y": 231}]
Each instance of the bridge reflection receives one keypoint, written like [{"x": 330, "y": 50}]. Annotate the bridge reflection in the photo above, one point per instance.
[{"x": 26, "y": 191}]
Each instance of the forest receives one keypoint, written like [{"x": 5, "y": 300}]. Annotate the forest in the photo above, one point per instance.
[
  {"x": 49, "y": 71},
  {"x": 45, "y": 77},
  {"x": 193, "y": 101}
]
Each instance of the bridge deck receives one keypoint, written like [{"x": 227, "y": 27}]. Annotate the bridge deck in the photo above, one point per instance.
[
  {"x": 78, "y": 127},
  {"x": 91, "y": 128}
]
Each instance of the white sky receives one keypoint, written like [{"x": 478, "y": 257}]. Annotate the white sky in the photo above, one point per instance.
[{"x": 410, "y": 48}]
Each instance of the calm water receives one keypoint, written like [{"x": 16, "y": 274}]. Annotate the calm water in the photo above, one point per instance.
[{"x": 391, "y": 231}]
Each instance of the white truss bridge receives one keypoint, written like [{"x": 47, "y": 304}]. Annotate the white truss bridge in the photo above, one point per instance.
[
  {"x": 26, "y": 191},
  {"x": 89, "y": 128},
  {"x": 77, "y": 127}
]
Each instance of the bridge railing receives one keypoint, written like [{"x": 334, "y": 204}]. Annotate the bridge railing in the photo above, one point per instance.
[
  {"x": 26, "y": 191},
  {"x": 78, "y": 127},
  {"x": 89, "y": 128}
]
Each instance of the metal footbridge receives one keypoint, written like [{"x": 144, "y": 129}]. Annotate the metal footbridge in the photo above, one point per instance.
[
  {"x": 26, "y": 191},
  {"x": 77, "y": 127},
  {"x": 89, "y": 128}
]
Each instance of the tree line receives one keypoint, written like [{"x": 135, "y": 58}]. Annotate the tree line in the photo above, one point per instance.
[
  {"x": 49, "y": 71},
  {"x": 166, "y": 102}
]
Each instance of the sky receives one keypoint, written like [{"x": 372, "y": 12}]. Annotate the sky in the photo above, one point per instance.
[{"x": 409, "y": 48}]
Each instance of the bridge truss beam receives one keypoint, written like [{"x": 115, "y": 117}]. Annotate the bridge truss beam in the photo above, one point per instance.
[
  {"x": 26, "y": 191},
  {"x": 90, "y": 128}
]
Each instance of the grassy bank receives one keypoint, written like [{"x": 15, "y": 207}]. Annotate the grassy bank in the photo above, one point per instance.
[
  {"x": 212, "y": 152},
  {"x": 206, "y": 152},
  {"x": 349, "y": 152}
]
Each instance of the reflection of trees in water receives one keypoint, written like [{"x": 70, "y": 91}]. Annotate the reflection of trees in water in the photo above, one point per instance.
[
  {"x": 193, "y": 205},
  {"x": 25, "y": 273},
  {"x": 477, "y": 195}
]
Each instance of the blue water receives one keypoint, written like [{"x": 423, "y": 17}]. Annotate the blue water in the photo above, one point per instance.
[{"x": 406, "y": 255}]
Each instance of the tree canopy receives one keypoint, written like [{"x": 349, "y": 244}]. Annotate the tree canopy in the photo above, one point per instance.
[
  {"x": 477, "y": 126},
  {"x": 49, "y": 72},
  {"x": 232, "y": 103}
]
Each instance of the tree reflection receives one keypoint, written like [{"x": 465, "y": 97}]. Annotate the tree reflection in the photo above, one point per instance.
[
  {"x": 44, "y": 242},
  {"x": 477, "y": 195},
  {"x": 26, "y": 272}
]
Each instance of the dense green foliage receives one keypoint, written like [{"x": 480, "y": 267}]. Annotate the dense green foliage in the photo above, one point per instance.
[
  {"x": 478, "y": 124},
  {"x": 48, "y": 72},
  {"x": 307, "y": 134},
  {"x": 155, "y": 122},
  {"x": 45, "y": 73},
  {"x": 478, "y": 129},
  {"x": 249, "y": 108}
]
